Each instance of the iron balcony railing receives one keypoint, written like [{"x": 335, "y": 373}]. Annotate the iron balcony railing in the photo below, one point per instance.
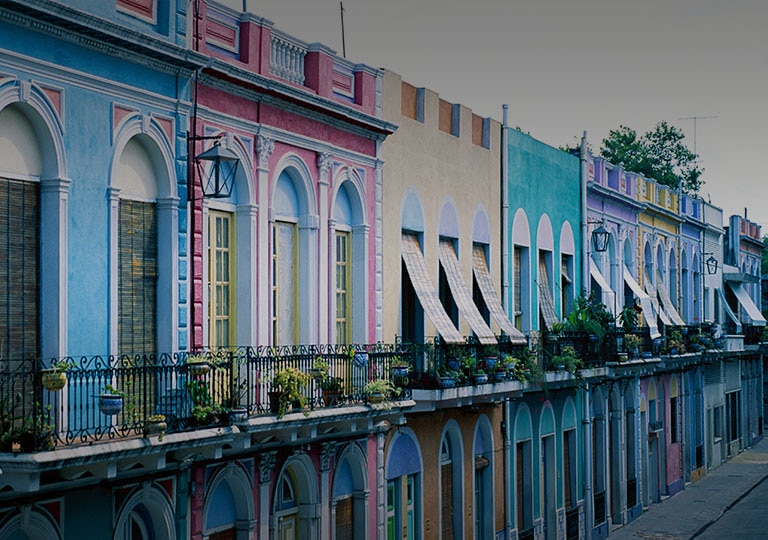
[{"x": 189, "y": 391}]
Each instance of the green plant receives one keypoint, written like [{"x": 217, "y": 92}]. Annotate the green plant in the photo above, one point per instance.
[
  {"x": 632, "y": 342},
  {"x": 568, "y": 358},
  {"x": 331, "y": 384},
  {"x": 590, "y": 316},
  {"x": 61, "y": 366},
  {"x": 507, "y": 360},
  {"x": 676, "y": 341},
  {"x": 490, "y": 351},
  {"x": 289, "y": 384},
  {"x": 628, "y": 318},
  {"x": 383, "y": 387}
]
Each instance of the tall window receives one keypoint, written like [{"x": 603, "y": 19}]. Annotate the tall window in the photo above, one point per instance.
[
  {"x": 566, "y": 284},
  {"x": 284, "y": 284},
  {"x": 19, "y": 269},
  {"x": 673, "y": 425},
  {"x": 343, "y": 287},
  {"x": 518, "y": 292},
  {"x": 220, "y": 258},
  {"x": 401, "y": 508},
  {"x": 286, "y": 508},
  {"x": 446, "y": 491},
  {"x": 524, "y": 491},
  {"x": 137, "y": 301}
]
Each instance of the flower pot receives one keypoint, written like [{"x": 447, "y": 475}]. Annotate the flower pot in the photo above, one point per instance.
[
  {"x": 499, "y": 375},
  {"x": 52, "y": 380},
  {"x": 238, "y": 414},
  {"x": 447, "y": 382},
  {"x": 453, "y": 364},
  {"x": 481, "y": 378},
  {"x": 360, "y": 359},
  {"x": 330, "y": 397},
  {"x": 110, "y": 404},
  {"x": 155, "y": 427},
  {"x": 374, "y": 398},
  {"x": 197, "y": 369},
  {"x": 399, "y": 375},
  {"x": 490, "y": 361},
  {"x": 274, "y": 400}
]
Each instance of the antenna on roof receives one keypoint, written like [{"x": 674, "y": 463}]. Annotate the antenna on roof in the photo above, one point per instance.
[
  {"x": 694, "y": 118},
  {"x": 343, "y": 44}
]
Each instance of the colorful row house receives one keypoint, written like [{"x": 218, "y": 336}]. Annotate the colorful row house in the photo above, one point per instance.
[{"x": 243, "y": 243}]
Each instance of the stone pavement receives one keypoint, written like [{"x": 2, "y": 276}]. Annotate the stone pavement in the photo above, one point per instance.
[{"x": 692, "y": 510}]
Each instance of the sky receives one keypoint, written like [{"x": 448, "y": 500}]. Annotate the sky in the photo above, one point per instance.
[{"x": 569, "y": 66}]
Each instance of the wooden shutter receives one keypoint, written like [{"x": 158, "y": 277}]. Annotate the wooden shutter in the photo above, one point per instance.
[
  {"x": 446, "y": 506},
  {"x": 137, "y": 295},
  {"x": 345, "y": 529},
  {"x": 19, "y": 270}
]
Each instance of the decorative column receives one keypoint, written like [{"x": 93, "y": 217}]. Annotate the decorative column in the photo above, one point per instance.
[
  {"x": 324, "y": 319},
  {"x": 379, "y": 249},
  {"x": 266, "y": 466},
  {"x": 326, "y": 454},
  {"x": 264, "y": 148}
]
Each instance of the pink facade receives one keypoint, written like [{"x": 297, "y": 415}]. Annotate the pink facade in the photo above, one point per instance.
[{"x": 301, "y": 118}]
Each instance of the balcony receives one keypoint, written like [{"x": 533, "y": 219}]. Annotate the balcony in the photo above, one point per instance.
[{"x": 223, "y": 392}]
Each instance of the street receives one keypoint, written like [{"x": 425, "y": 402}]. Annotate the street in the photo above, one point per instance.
[{"x": 746, "y": 519}]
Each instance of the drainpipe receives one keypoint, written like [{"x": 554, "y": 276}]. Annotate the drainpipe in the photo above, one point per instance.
[
  {"x": 506, "y": 433},
  {"x": 504, "y": 210},
  {"x": 584, "y": 238},
  {"x": 588, "y": 487}
]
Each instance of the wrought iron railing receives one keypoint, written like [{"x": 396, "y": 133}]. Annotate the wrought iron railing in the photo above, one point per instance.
[
  {"x": 469, "y": 363},
  {"x": 34, "y": 415}
]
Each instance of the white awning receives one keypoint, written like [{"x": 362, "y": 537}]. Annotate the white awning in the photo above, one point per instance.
[
  {"x": 461, "y": 294},
  {"x": 666, "y": 302},
  {"x": 645, "y": 303},
  {"x": 756, "y": 318},
  {"x": 608, "y": 294},
  {"x": 546, "y": 304},
  {"x": 729, "y": 311},
  {"x": 430, "y": 302},
  {"x": 654, "y": 296},
  {"x": 485, "y": 283}
]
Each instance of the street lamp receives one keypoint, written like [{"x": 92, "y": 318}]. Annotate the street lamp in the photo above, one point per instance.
[
  {"x": 711, "y": 264},
  {"x": 219, "y": 181},
  {"x": 600, "y": 237}
]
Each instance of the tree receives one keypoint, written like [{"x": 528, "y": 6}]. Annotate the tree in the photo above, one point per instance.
[
  {"x": 764, "y": 257},
  {"x": 659, "y": 154}
]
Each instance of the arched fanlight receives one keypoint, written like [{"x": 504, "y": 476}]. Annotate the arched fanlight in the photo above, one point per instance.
[{"x": 220, "y": 179}]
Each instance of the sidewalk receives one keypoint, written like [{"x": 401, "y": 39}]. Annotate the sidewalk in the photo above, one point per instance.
[{"x": 693, "y": 509}]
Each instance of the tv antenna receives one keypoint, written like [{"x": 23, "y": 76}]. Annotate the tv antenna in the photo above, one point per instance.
[
  {"x": 695, "y": 118},
  {"x": 343, "y": 43}
]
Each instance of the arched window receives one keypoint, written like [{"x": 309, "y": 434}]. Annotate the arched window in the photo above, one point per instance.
[
  {"x": 350, "y": 507},
  {"x": 451, "y": 472},
  {"x": 403, "y": 476},
  {"x": 146, "y": 515}
]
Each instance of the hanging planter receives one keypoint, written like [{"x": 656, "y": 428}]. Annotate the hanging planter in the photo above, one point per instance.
[
  {"x": 53, "y": 380},
  {"x": 155, "y": 425}
]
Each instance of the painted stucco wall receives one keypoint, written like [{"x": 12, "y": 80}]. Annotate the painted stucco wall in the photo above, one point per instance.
[
  {"x": 543, "y": 181},
  {"x": 439, "y": 169}
]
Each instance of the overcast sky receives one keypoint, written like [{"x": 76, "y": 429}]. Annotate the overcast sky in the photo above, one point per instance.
[{"x": 569, "y": 66}]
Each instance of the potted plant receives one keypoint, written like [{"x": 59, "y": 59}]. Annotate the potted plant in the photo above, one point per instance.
[
  {"x": 632, "y": 345},
  {"x": 155, "y": 426},
  {"x": 453, "y": 356},
  {"x": 448, "y": 377},
  {"x": 55, "y": 377},
  {"x": 111, "y": 400},
  {"x": 675, "y": 343},
  {"x": 480, "y": 376},
  {"x": 36, "y": 431},
  {"x": 358, "y": 356},
  {"x": 378, "y": 390},
  {"x": 198, "y": 364},
  {"x": 332, "y": 388},
  {"x": 287, "y": 387},
  {"x": 490, "y": 355}
]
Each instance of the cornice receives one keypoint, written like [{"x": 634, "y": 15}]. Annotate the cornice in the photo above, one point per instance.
[
  {"x": 616, "y": 196},
  {"x": 257, "y": 88},
  {"x": 86, "y": 30}
]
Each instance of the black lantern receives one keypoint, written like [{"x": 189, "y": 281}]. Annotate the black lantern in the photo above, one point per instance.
[
  {"x": 600, "y": 237},
  {"x": 712, "y": 265},
  {"x": 220, "y": 179}
]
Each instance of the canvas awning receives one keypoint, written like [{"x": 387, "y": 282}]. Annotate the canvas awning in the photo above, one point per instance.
[
  {"x": 729, "y": 311},
  {"x": 608, "y": 295},
  {"x": 546, "y": 304},
  {"x": 666, "y": 302},
  {"x": 654, "y": 296},
  {"x": 746, "y": 302},
  {"x": 461, "y": 294},
  {"x": 492, "y": 301},
  {"x": 645, "y": 303},
  {"x": 425, "y": 291}
]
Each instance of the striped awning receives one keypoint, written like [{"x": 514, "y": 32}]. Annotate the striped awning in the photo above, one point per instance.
[
  {"x": 608, "y": 295},
  {"x": 425, "y": 291},
  {"x": 650, "y": 288},
  {"x": 746, "y": 302},
  {"x": 666, "y": 302},
  {"x": 546, "y": 304},
  {"x": 492, "y": 301},
  {"x": 645, "y": 303},
  {"x": 461, "y": 294}
]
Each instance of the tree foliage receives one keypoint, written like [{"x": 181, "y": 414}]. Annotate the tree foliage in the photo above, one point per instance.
[
  {"x": 764, "y": 257},
  {"x": 659, "y": 154}
]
